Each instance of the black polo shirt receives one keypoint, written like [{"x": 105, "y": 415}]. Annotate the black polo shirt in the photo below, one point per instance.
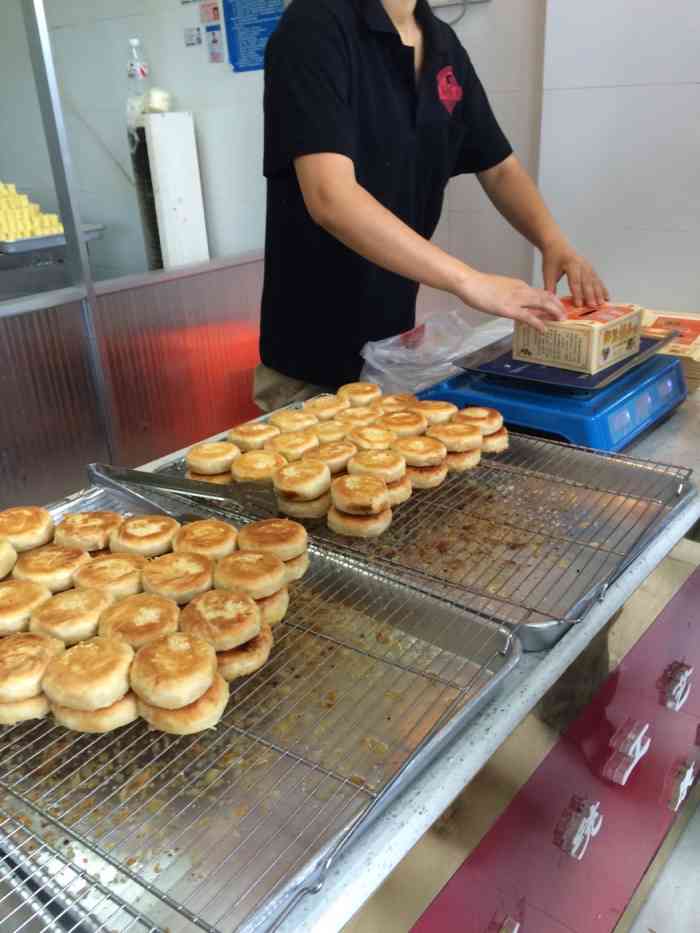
[{"x": 339, "y": 79}]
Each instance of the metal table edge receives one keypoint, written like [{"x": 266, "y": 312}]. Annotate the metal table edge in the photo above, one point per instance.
[{"x": 361, "y": 869}]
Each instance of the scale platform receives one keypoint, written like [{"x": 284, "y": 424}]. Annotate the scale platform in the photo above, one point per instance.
[{"x": 603, "y": 412}]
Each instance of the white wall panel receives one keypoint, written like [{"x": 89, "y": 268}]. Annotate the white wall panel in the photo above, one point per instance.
[{"x": 620, "y": 42}]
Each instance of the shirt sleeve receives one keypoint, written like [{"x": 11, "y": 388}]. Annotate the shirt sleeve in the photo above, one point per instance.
[
  {"x": 485, "y": 144},
  {"x": 307, "y": 93}
]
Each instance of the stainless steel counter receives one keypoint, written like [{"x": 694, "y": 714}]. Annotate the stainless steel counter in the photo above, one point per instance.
[{"x": 676, "y": 441}]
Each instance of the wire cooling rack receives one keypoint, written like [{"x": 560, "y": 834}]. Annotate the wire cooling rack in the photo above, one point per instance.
[
  {"x": 368, "y": 679},
  {"x": 532, "y": 535}
]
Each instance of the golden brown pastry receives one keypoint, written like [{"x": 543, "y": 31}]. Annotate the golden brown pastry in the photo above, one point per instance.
[
  {"x": 404, "y": 423},
  {"x": 178, "y": 576},
  {"x": 303, "y": 481},
  {"x": 90, "y": 675},
  {"x": 427, "y": 477},
  {"x": 257, "y": 466},
  {"x": 173, "y": 671},
  {"x": 224, "y": 618},
  {"x": 253, "y": 436},
  {"x": 71, "y": 616},
  {"x": 256, "y": 574},
  {"x": 120, "y": 713},
  {"x": 335, "y": 456},
  {"x": 52, "y": 566},
  {"x": 248, "y": 658},
  {"x": 496, "y": 443},
  {"x": 203, "y": 713},
  {"x": 313, "y": 509},
  {"x": 140, "y": 619},
  {"x": 145, "y": 535},
  {"x": 87, "y": 531},
  {"x": 372, "y": 437},
  {"x": 326, "y": 407},
  {"x": 421, "y": 451},
  {"x": 360, "y": 393},
  {"x": 274, "y": 608},
  {"x": 210, "y": 538},
  {"x": 26, "y": 527},
  {"x": 457, "y": 438},
  {"x": 23, "y": 661},
  {"x": 290, "y": 421},
  {"x": 18, "y": 599},
  {"x": 388, "y": 465},
  {"x": 359, "y": 526},
  {"x": 294, "y": 445},
  {"x": 277, "y": 536},
  {"x": 212, "y": 457},
  {"x": 116, "y": 574},
  {"x": 488, "y": 420}
]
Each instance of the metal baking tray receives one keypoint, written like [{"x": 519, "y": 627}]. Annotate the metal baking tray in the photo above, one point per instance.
[
  {"x": 225, "y": 830},
  {"x": 531, "y": 538},
  {"x": 34, "y": 243}
]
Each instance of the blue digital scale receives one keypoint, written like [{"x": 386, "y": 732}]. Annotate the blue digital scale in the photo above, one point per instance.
[{"x": 604, "y": 412}]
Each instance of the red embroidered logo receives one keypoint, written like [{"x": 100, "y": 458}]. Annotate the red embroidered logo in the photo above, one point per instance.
[{"x": 449, "y": 91}]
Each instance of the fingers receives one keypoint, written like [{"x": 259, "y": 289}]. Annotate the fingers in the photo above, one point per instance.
[
  {"x": 528, "y": 317},
  {"x": 537, "y": 300},
  {"x": 551, "y": 274},
  {"x": 576, "y": 285}
]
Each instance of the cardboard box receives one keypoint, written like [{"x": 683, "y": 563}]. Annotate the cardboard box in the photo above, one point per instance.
[
  {"x": 592, "y": 339},
  {"x": 687, "y": 344}
]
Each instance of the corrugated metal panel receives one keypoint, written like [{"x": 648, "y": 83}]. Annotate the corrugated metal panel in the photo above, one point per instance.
[
  {"x": 49, "y": 420},
  {"x": 179, "y": 356}
]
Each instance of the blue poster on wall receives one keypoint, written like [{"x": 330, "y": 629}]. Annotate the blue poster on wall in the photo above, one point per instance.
[{"x": 249, "y": 24}]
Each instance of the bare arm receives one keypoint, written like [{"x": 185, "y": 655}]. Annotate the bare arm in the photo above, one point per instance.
[
  {"x": 515, "y": 196},
  {"x": 346, "y": 210}
]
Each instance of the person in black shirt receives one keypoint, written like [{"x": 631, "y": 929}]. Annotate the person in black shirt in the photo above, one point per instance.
[{"x": 371, "y": 106}]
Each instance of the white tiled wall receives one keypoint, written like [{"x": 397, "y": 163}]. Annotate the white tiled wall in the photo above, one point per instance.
[
  {"x": 505, "y": 41},
  {"x": 620, "y": 161}
]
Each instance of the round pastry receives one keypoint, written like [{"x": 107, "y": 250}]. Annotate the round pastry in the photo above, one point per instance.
[
  {"x": 277, "y": 536},
  {"x": 421, "y": 451},
  {"x": 359, "y": 495},
  {"x": 488, "y": 420},
  {"x": 335, "y": 456},
  {"x": 461, "y": 462},
  {"x": 493, "y": 443},
  {"x": 293, "y": 446},
  {"x": 290, "y": 421},
  {"x": 224, "y": 618},
  {"x": 52, "y": 566},
  {"x": 359, "y": 526},
  {"x": 305, "y": 480},
  {"x": 360, "y": 393},
  {"x": 203, "y": 713},
  {"x": 72, "y": 616},
  {"x": 257, "y": 466},
  {"x": 329, "y": 432},
  {"x": 427, "y": 477},
  {"x": 8, "y": 557},
  {"x": 116, "y": 574},
  {"x": 404, "y": 423},
  {"x": 314, "y": 508},
  {"x": 274, "y": 608},
  {"x": 24, "y": 710},
  {"x": 173, "y": 671},
  {"x": 258, "y": 575},
  {"x": 252, "y": 436},
  {"x": 18, "y": 600},
  {"x": 357, "y": 417},
  {"x": 212, "y": 457},
  {"x": 138, "y": 620},
  {"x": 178, "y": 576},
  {"x": 90, "y": 675},
  {"x": 325, "y": 407},
  {"x": 118, "y": 714},
  {"x": 146, "y": 535},
  {"x": 23, "y": 661},
  {"x": 400, "y": 401},
  {"x": 210, "y": 537},
  {"x": 435, "y": 412},
  {"x": 219, "y": 479},
  {"x": 388, "y": 465},
  {"x": 26, "y": 527},
  {"x": 295, "y": 568},
  {"x": 457, "y": 438},
  {"x": 400, "y": 491},
  {"x": 87, "y": 531},
  {"x": 372, "y": 438},
  {"x": 247, "y": 658}
]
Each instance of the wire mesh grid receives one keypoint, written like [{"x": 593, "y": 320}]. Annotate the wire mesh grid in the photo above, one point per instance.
[
  {"x": 366, "y": 674},
  {"x": 532, "y": 535}
]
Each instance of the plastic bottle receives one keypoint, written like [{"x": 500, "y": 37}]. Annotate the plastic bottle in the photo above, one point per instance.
[{"x": 139, "y": 85}]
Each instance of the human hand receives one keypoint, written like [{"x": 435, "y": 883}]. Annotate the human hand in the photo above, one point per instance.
[
  {"x": 511, "y": 298},
  {"x": 559, "y": 259}
]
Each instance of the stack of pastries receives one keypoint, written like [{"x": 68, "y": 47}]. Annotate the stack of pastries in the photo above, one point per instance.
[
  {"x": 391, "y": 444},
  {"x": 108, "y": 618}
]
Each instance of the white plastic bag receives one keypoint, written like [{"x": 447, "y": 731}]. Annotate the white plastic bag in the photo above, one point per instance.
[{"x": 423, "y": 356}]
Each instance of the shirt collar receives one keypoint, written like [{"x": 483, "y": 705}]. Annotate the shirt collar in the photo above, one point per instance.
[{"x": 378, "y": 20}]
